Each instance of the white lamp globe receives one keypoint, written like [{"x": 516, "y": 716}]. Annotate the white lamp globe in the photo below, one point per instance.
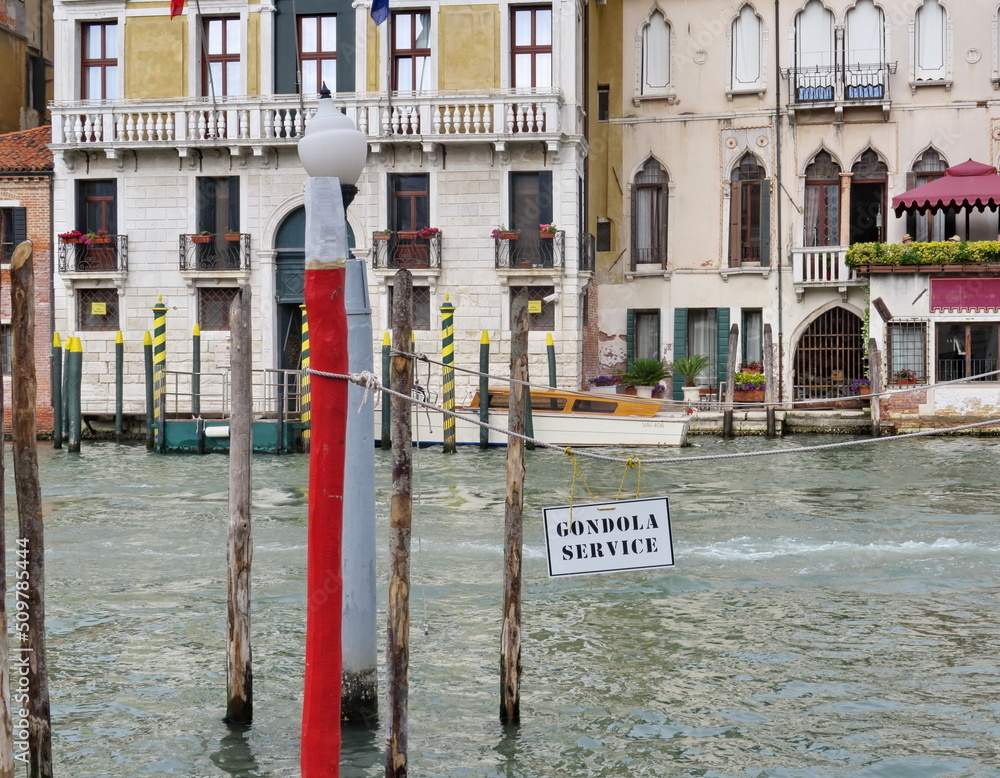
[{"x": 332, "y": 146}]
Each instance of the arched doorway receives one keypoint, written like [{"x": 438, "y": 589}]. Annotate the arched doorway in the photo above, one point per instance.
[
  {"x": 289, "y": 286},
  {"x": 828, "y": 356}
]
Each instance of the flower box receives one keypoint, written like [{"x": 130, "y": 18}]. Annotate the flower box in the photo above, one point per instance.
[
  {"x": 748, "y": 395},
  {"x": 71, "y": 240},
  {"x": 233, "y": 237},
  {"x": 546, "y": 233},
  {"x": 381, "y": 235},
  {"x": 604, "y": 389},
  {"x": 508, "y": 235},
  {"x": 99, "y": 240},
  {"x": 201, "y": 238}
]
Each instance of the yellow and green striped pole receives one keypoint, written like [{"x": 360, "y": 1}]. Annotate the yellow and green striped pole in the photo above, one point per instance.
[
  {"x": 159, "y": 360},
  {"x": 305, "y": 407},
  {"x": 448, "y": 371}
]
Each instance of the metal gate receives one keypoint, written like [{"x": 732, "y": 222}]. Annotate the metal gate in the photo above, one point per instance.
[{"x": 828, "y": 356}]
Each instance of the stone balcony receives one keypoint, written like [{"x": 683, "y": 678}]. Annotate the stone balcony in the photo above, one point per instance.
[
  {"x": 253, "y": 124},
  {"x": 822, "y": 267}
]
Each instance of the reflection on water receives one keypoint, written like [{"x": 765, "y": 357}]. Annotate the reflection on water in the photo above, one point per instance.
[{"x": 829, "y": 614}]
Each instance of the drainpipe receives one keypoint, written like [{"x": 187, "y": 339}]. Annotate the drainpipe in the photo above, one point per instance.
[{"x": 777, "y": 194}]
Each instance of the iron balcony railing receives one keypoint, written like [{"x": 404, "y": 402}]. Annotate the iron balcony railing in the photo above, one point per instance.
[
  {"x": 215, "y": 251},
  {"x": 840, "y": 83},
  {"x": 531, "y": 251},
  {"x": 587, "y": 249},
  {"x": 6, "y": 252},
  {"x": 955, "y": 369},
  {"x": 254, "y": 121},
  {"x": 648, "y": 258},
  {"x": 103, "y": 254},
  {"x": 406, "y": 249}
]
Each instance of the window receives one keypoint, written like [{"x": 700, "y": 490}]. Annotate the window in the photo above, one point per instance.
[
  {"x": 822, "y": 212},
  {"x": 642, "y": 334},
  {"x": 97, "y": 206},
  {"x": 907, "y": 348},
  {"x": 13, "y": 230},
  {"x": 7, "y": 346},
  {"x": 97, "y": 309},
  {"x": 213, "y": 306},
  {"x": 420, "y": 313},
  {"x": 864, "y": 68},
  {"x": 318, "y": 53},
  {"x": 869, "y": 179},
  {"x": 222, "y": 72},
  {"x": 749, "y": 214},
  {"x": 409, "y": 201},
  {"x": 933, "y": 225},
  {"x": 530, "y": 206},
  {"x": 753, "y": 333},
  {"x": 603, "y": 102},
  {"x": 531, "y": 47},
  {"x": 655, "y": 60},
  {"x": 702, "y": 338},
  {"x": 814, "y": 54},
  {"x": 649, "y": 216},
  {"x": 930, "y": 42},
  {"x": 411, "y": 52},
  {"x": 965, "y": 350},
  {"x": 99, "y": 63},
  {"x": 217, "y": 207},
  {"x": 541, "y": 314},
  {"x": 747, "y": 52}
]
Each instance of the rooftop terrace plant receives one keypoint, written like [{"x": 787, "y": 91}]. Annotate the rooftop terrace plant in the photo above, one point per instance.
[{"x": 945, "y": 252}]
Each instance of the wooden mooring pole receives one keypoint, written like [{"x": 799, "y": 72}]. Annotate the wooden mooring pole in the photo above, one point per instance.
[
  {"x": 6, "y": 721},
  {"x": 771, "y": 377},
  {"x": 510, "y": 631},
  {"x": 727, "y": 414},
  {"x": 239, "y": 545},
  {"x": 397, "y": 649},
  {"x": 875, "y": 384},
  {"x": 57, "y": 386},
  {"x": 30, "y": 654}
]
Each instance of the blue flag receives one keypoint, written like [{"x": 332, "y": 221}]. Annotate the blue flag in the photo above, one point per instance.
[{"x": 380, "y": 11}]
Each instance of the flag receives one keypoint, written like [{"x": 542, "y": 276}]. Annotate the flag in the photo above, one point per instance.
[
  {"x": 176, "y": 7},
  {"x": 380, "y": 11}
]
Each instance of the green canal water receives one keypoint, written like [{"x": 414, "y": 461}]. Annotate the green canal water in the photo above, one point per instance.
[{"x": 834, "y": 613}]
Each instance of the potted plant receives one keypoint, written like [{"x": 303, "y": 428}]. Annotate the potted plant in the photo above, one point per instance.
[
  {"x": 688, "y": 369},
  {"x": 502, "y": 233},
  {"x": 752, "y": 367},
  {"x": 99, "y": 237},
  {"x": 861, "y": 386},
  {"x": 73, "y": 236},
  {"x": 382, "y": 234},
  {"x": 748, "y": 387},
  {"x": 201, "y": 237},
  {"x": 605, "y": 384},
  {"x": 644, "y": 374},
  {"x": 905, "y": 377},
  {"x": 547, "y": 230},
  {"x": 233, "y": 237},
  {"x": 428, "y": 232}
]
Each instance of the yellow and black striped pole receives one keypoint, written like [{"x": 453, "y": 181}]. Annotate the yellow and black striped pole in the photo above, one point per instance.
[
  {"x": 159, "y": 360},
  {"x": 448, "y": 371},
  {"x": 304, "y": 403}
]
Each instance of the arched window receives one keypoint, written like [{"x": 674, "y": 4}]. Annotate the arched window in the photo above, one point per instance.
[
  {"x": 930, "y": 42},
  {"x": 868, "y": 187},
  {"x": 749, "y": 214},
  {"x": 655, "y": 55},
  {"x": 649, "y": 216},
  {"x": 928, "y": 226},
  {"x": 814, "y": 54},
  {"x": 747, "y": 51},
  {"x": 864, "y": 66},
  {"x": 821, "y": 221}
]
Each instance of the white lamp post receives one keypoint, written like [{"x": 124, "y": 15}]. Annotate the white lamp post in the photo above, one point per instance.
[{"x": 340, "y": 600}]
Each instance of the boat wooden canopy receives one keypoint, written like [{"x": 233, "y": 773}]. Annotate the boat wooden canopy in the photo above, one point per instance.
[{"x": 562, "y": 401}]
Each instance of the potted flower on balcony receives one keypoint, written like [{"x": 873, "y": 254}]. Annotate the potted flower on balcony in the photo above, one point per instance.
[
  {"x": 201, "y": 237},
  {"x": 99, "y": 237},
  {"x": 751, "y": 367},
  {"x": 905, "y": 377},
  {"x": 547, "y": 230},
  {"x": 233, "y": 237},
  {"x": 73, "y": 236},
  {"x": 605, "y": 384},
  {"x": 382, "y": 234},
  {"x": 502, "y": 233},
  {"x": 748, "y": 387},
  {"x": 688, "y": 369},
  {"x": 428, "y": 232},
  {"x": 644, "y": 374}
]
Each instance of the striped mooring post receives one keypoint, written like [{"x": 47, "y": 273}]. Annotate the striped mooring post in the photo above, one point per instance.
[
  {"x": 159, "y": 360},
  {"x": 386, "y": 443},
  {"x": 119, "y": 384},
  {"x": 550, "y": 348},
  {"x": 196, "y": 371},
  {"x": 57, "y": 387},
  {"x": 306, "y": 398},
  {"x": 74, "y": 369},
  {"x": 448, "y": 372}
]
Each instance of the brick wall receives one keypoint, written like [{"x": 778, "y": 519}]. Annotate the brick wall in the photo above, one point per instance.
[
  {"x": 32, "y": 193},
  {"x": 591, "y": 338}
]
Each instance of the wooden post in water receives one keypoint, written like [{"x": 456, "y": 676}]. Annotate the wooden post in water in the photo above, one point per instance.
[
  {"x": 397, "y": 649},
  {"x": 239, "y": 545},
  {"x": 119, "y": 379},
  {"x": 6, "y": 720},
  {"x": 513, "y": 536},
  {"x": 31, "y": 539},
  {"x": 196, "y": 371},
  {"x": 550, "y": 350},
  {"x": 74, "y": 362},
  {"x": 386, "y": 441},
  {"x": 734, "y": 346},
  {"x": 147, "y": 351},
  {"x": 484, "y": 389},
  {"x": 875, "y": 383},
  {"x": 771, "y": 378},
  {"x": 57, "y": 387}
]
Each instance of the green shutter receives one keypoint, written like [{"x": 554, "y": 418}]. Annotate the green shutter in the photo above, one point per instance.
[
  {"x": 629, "y": 337},
  {"x": 722, "y": 347},
  {"x": 765, "y": 223},
  {"x": 680, "y": 347}
]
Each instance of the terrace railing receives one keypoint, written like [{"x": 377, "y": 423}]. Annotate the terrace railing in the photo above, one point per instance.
[{"x": 105, "y": 254}]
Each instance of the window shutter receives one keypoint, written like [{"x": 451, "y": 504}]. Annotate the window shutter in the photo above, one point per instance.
[
  {"x": 633, "y": 261},
  {"x": 722, "y": 349},
  {"x": 735, "y": 212},
  {"x": 545, "y": 197},
  {"x": 19, "y": 225},
  {"x": 234, "y": 203},
  {"x": 765, "y": 223},
  {"x": 629, "y": 337},
  {"x": 680, "y": 347}
]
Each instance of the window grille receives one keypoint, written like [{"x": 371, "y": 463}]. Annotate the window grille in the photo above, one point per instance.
[
  {"x": 97, "y": 309},
  {"x": 213, "y": 306}
]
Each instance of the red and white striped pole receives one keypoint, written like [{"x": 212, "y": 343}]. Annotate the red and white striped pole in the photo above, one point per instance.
[{"x": 331, "y": 151}]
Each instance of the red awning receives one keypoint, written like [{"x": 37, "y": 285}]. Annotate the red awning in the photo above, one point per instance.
[{"x": 962, "y": 187}]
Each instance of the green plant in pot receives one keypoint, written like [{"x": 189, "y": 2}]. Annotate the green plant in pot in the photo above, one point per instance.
[
  {"x": 645, "y": 373},
  {"x": 688, "y": 369}
]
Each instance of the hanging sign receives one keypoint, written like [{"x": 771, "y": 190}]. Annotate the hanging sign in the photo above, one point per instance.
[
  {"x": 608, "y": 537},
  {"x": 534, "y": 306},
  {"x": 98, "y": 309}
]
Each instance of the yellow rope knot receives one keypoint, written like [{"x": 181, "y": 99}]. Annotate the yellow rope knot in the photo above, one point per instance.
[{"x": 632, "y": 463}]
